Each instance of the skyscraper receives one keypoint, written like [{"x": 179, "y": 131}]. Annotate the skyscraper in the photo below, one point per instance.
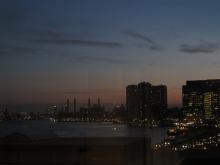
[
  {"x": 144, "y": 94},
  {"x": 145, "y": 101},
  {"x": 202, "y": 98},
  {"x": 159, "y": 101},
  {"x": 132, "y": 102}
]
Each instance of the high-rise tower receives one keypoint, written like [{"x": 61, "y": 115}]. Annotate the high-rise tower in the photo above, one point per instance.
[
  {"x": 145, "y": 101},
  {"x": 202, "y": 98}
]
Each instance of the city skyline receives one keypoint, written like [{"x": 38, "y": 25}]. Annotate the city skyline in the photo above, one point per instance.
[{"x": 54, "y": 50}]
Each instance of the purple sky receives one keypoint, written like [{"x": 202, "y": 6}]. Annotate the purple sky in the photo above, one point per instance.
[{"x": 53, "y": 49}]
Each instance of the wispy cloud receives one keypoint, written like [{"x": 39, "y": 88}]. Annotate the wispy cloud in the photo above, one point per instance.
[
  {"x": 69, "y": 41},
  {"x": 45, "y": 34},
  {"x": 59, "y": 38},
  {"x": 139, "y": 36},
  {"x": 148, "y": 42},
  {"x": 199, "y": 48},
  {"x": 16, "y": 50},
  {"x": 57, "y": 34},
  {"x": 92, "y": 59}
]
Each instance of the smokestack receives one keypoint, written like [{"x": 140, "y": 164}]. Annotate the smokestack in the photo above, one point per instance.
[
  {"x": 89, "y": 103},
  {"x": 74, "y": 105},
  {"x": 68, "y": 105},
  {"x": 99, "y": 104}
]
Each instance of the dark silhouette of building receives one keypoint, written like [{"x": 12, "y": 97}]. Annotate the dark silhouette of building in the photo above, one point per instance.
[
  {"x": 119, "y": 113},
  {"x": 132, "y": 101},
  {"x": 144, "y": 93},
  {"x": 159, "y": 101},
  {"x": 93, "y": 112},
  {"x": 145, "y": 101},
  {"x": 202, "y": 98}
]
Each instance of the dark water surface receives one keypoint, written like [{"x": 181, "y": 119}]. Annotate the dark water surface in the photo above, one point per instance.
[{"x": 46, "y": 129}]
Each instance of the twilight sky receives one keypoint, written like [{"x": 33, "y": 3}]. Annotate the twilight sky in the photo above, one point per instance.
[{"x": 54, "y": 49}]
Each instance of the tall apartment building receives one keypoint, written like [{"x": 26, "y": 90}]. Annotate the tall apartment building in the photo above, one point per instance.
[
  {"x": 145, "y": 101},
  {"x": 202, "y": 98}
]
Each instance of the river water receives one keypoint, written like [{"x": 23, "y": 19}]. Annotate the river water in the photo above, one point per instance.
[{"x": 46, "y": 129}]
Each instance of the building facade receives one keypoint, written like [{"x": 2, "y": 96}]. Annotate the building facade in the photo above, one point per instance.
[
  {"x": 145, "y": 101},
  {"x": 202, "y": 98}
]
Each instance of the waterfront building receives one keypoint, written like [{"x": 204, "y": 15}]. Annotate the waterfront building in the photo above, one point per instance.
[
  {"x": 202, "y": 98},
  {"x": 146, "y": 101},
  {"x": 93, "y": 112},
  {"x": 132, "y": 102}
]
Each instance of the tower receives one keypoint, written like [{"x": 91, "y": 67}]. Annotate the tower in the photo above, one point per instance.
[
  {"x": 89, "y": 103},
  {"x": 146, "y": 101},
  {"x": 99, "y": 104},
  {"x": 67, "y": 105},
  {"x": 74, "y": 106}
]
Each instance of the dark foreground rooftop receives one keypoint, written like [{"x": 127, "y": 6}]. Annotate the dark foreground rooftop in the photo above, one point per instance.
[{"x": 19, "y": 149}]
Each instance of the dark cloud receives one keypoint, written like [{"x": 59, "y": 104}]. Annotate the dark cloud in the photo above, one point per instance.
[
  {"x": 94, "y": 91},
  {"x": 67, "y": 41},
  {"x": 59, "y": 38},
  {"x": 149, "y": 43},
  {"x": 51, "y": 34},
  {"x": 16, "y": 50},
  {"x": 199, "y": 48},
  {"x": 140, "y": 36},
  {"x": 150, "y": 47},
  {"x": 90, "y": 59}
]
